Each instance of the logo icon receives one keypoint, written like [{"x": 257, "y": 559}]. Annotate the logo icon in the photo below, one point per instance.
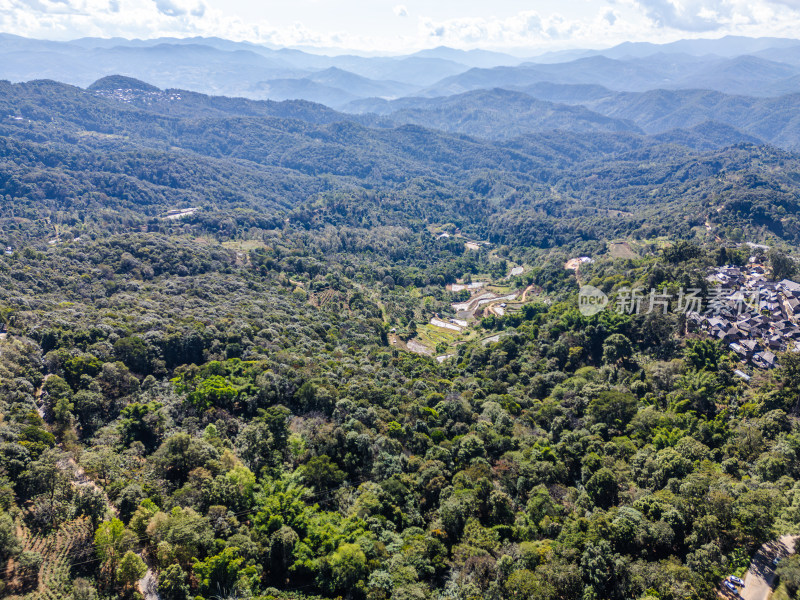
[{"x": 591, "y": 300}]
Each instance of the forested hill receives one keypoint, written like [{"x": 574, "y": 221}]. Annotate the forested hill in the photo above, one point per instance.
[
  {"x": 268, "y": 350},
  {"x": 492, "y": 114},
  {"x": 501, "y": 114},
  {"x": 119, "y": 157},
  {"x": 184, "y": 103}
]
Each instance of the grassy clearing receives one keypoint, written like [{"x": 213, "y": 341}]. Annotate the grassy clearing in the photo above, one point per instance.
[
  {"x": 244, "y": 245},
  {"x": 500, "y": 289},
  {"x": 431, "y": 335},
  {"x": 621, "y": 250}
]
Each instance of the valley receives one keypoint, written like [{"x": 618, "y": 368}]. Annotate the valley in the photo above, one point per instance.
[{"x": 283, "y": 325}]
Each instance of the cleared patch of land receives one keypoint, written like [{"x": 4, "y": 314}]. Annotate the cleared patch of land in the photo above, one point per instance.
[{"x": 621, "y": 250}]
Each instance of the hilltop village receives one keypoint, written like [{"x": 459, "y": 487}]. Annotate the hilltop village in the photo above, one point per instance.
[{"x": 755, "y": 316}]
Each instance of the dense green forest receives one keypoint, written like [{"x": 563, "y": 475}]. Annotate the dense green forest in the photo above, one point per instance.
[{"x": 219, "y": 403}]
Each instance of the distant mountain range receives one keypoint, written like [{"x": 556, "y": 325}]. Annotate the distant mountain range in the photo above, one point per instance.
[
  {"x": 498, "y": 115},
  {"x": 733, "y": 65},
  {"x": 728, "y": 46},
  {"x": 212, "y": 65},
  {"x": 746, "y": 74},
  {"x": 127, "y": 149},
  {"x": 493, "y": 114},
  {"x": 712, "y": 92},
  {"x": 504, "y": 114}
]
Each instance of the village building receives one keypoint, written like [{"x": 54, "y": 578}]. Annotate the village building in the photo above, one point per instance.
[{"x": 753, "y": 316}]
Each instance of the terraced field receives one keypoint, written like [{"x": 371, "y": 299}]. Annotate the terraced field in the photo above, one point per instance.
[
  {"x": 430, "y": 335},
  {"x": 324, "y": 297},
  {"x": 58, "y": 551}
]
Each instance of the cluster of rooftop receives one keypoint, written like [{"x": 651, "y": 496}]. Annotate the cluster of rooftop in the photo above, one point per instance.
[{"x": 755, "y": 316}]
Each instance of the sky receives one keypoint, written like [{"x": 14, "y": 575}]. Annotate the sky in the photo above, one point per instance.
[{"x": 399, "y": 26}]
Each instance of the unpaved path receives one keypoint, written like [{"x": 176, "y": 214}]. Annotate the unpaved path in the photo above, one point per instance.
[
  {"x": 148, "y": 585},
  {"x": 527, "y": 290},
  {"x": 497, "y": 310},
  {"x": 38, "y": 395}
]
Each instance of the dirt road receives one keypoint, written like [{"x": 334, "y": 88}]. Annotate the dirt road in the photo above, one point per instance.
[
  {"x": 148, "y": 586},
  {"x": 529, "y": 289},
  {"x": 761, "y": 574}
]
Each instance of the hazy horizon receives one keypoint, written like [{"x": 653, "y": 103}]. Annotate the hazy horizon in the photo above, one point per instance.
[
  {"x": 400, "y": 28},
  {"x": 334, "y": 51}
]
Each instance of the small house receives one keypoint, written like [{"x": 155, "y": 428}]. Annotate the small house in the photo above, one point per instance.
[
  {"x": 789, "y": 287},
  {"x": 765, "y": 359}
]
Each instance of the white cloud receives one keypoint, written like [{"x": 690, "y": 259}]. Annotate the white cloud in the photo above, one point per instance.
[
  {"x": 67, "y": 19},
  {"x": 688, "y": 16},
  {"x": 527, "y": 28},
  {"x": 56, "y": 7},
  {"x": 592, "y": 23},
  {"x": 745, "y": 17},
  {"x": 615, "y": 21},
  {"x": 179, "y": 8}
]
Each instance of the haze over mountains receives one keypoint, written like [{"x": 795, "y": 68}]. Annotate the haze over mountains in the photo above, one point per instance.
[
  {"x": 731, "y": 89},
  {"x": 762, "y": 66}
]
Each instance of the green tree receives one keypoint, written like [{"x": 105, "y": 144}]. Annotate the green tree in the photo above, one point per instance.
[
  {"x": 225, "y": 573},
  {"x": 111, "y": 542},
  {"x": 180, "y": 453},
  {"x": 131, "y": 569},
  {"x": 133, "y": 352},
  {"x": 525, "y": 585},
  {"x": 82, "y": 589},
  {"x": 62, "y": 412},
  {"x": 347, "y": 568},
  {"x": 91, "y": 502},
  {"x": 789, "y": 378},
  {"x": 681, "y": 251},
  {"x": 617, "y": 348},
  {"x": 82, "y": 364},
  {"x": 614, "y": 408},
  {"x": 142, "y": 423},
  {"x": 188, "y": 533},
  {"x": 781, "y": 265},
  {"x": 789, "y": 572},
  {"x": 214, "y": 391},
  {"x": 703, "y": 354},
  {"x": 602, "y": 488},
  {"x": 172, "y": 583},
  {"x": 10, "y": 544},
  {"x": 58, "y": 392},
  {"x": 604, "y": 573},
  {"x": 322, "y": 473}
]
